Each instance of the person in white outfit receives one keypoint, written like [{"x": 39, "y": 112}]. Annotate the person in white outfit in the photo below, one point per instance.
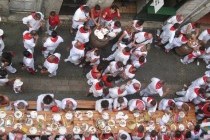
[
  {"x": 97, "y": 88},
  {"x": 17, "y": 85},
  {"x": 20, "y": 105},
  {"x": 51, "y": 64},
  {"x": 3, "y": 77},
  {"x": 189, "y": 28},
  {"x": 45, "y": 102},
  {"x": 114, "y": 29},
  {"x": 155, "y": 87},
  {"x": 51, "y": 44},
  {"x": 1, "y": 42},
  {"x": 140, "y": 62},
  {"x": 120, "y": 103},
  {"x": 128, "y": 72},
  {"x": 34, "y": 21},
  {"x": 94, "y": 73},
  {"x": 83, "y": 33},
  {"x": 151, "y": 104},
  {"x": 77, "y": 52},
  {"x": 68, "y": 104},
  {"x": 28, "y": 61},
  {"x": 166, "y": 104},
  {"x": 152, "y": 136},
  {"x": 133, "y": 86},
  {"x": 118, "y": 91},
  {"x": 206, "y": 56},
  {"x": 204, "y": 36},
  {"x": 141, "y": 38},
  {"x": 202, "y": 81},
  {"x": 17, "y": 134},
  {"x": 123, "y": 135},
  {"x": 175, "y": 19},
  {"x": 136, "y": 104},
  {"x": 103, "y": 104},
  {"x": 88, "y": 136},
  {"x": 138, "y": 134},
  {"x": 114, "y": 68},
  {"x": 92, "y": 57},
  {"x": 30, "y": 40},
  {"x": 6, "y": 62},
  {"x": 137, "y": 25}
]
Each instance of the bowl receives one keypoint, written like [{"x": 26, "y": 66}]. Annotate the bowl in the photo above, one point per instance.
[
  {"x": 56, "y": 117},
  {"x": 69, "y": 115},
  {"x": 33, "y": 130},
  {"x": 62, "y": 130}
]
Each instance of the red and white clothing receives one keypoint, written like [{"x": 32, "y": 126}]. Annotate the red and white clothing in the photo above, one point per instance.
[
  {"x": 64, "y": 101},
  {"x": 206, "y": 56},
  {"x": 164, "y": 104},
  {"x": 92, "y": 75},
  {"x": 12, "y": 136},
  {"x": 136, "y": 104},
  {"x": 79, "y": 14},
  {"x": 147, "y": 101},
  {"x": 28, "y": 41},
  {"x": 127, "y": 74},
  {"x": 188, "y": 28},
  {"x": 179, "y": 105},
  {"x": 96, "y": 89},
  {"x": 120, "y": 55},
  {"x": 137, "y": 64},
  {"x": 137, "y": 29},
  {"x": 168, "y": 33},
  {"x": 98, "y": 105},
  {"x": 148, "y": 137},
  {"x": 52, "y": 24},
  {"x": 196, "y": 134},
  {"x": 192, "y": 56},
  {"x": 155, "y": 87},
  {"x": 35, "y": 24},
  {"x": 91, "y": 137},
  {"x": 118, "y": 106},
  {"x": 177, "y": 42},
  {"x": 140, "y": 38},
  {"x": 82, "y": 35},
  {"x": 75, "y": 54},
  {"x": 137, "y": 136},
  {"x": 204, "y": 108},
  {"x": 29, "y": 62},
  {"x": 51, "y": 44},
  {"x": 52, "y": 66},
  {"x": 200, "y": 81},
  {"x": 122, "y": 132},
  {"x": 106, "y": 82},
  {"x": 117, "y": 92},
  {"x": 92, "y": 58},
  {"x": 130, "y": 86},
  {"x": 138, "y": 52},
  {"x": 40, "y": 101},
  {"x": 1, "y": 45},
  {"x": 107, "y": 16},
  {"x": 174, "y": 20},
  {"x": 113, "y": 69},
  {"x": 19, "y": 101},
  {"x": 205, "y": 35},
  {"x": 113, "y": 30}
]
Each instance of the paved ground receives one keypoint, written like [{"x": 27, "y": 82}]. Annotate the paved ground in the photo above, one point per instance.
[{"x": 71, "y": 81}]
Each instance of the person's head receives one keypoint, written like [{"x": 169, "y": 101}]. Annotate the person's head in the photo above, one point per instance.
[
  {"x": 110, "y": 78},
  {"x": 79, "y": 44},
  {"x": 105, "y": 104},
  {"x": 202, "y": 48},
  {"x": 69, "y": 104},
  {"x": 86, "y": 9},
  {"x": 162, "y": 82},
  {"x": 26, "y": 53},
  {"x": 136, "y": 86},
  {"x": 197, "y": 127},
  {"x": 52, "y": 13},
  {"x": 140, "y": 129},
  {"x": 99, "y": 67},
  {"x": 127, "y": 49},
  {"x": 123, "y": 136},
  {"x": 128, "y": 29},
  {"x": 153, "y": 133},
  {"x": 18, "y": 136},
  {"x": 21, "y": 105},
  {"x": 188, "y": 135},
  {"x": 120, "y": 100},
  {"x": 153, "y": 102},
  {"x": 132, "y": 69},
  {"x": 113, "y": 8},
  {"x": 139, "y": 23},
  {"x": 3, "y": 73},
  {"x": 141, "y": 59},
  {"x": 176, "y": 25},
  {"x": 86, "y": 26},
  {"x": 96, "y": 52},
  {"x": 178, "y": 134},
  {"x": 117, "y": 24},
  {"x": 195, "y": 25},
  {"x": 148, "y": 36},
  {"x": 69, "y": 137},
  {"x": 185, "y": 107},
  {"x": 97, "y": 7},
  {"x": 171, "y": 103},
  {"x": 208, "y": 80},
  {"x": 179, "y": 18},
  {"x": 201, "y": 91},
  {"x": 54, "y": 34},
  {"x": 33, "y": 33},
  {"x": 47, "y": 99},
  {"x": 37, "y": 16},
  {"x": 119, "y": 64}
]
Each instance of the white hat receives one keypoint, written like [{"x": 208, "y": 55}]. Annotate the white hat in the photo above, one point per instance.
[
  {"x": 1, "y": 32},
  {"x": 57, "y": 55},
  {"x": 18, "y": 82}
]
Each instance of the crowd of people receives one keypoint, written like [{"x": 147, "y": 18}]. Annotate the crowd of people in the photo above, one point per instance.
[{"x": 117, "y": 80}]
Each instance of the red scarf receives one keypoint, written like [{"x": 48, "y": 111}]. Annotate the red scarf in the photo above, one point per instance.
[
  {"x": 126, "y": 53},
  {"x": 170, "y": 102},
  {"x": 88, "y": 138},
  {"x": 54, "y": 20},
  {"x": 119, "y": 91},
  {"x": 27, "y": 36},
  {"x": 158, "y": 85},
  {"x": 205, "y": 78},
  {"x": 196, "y": 91},
  {"x": 140, "y": 134},
  {"x": 82, "y": 30},
  {"x": 149, "y": 99},
  {"x": 98, "y": 87},
  {"x": 208, "y": 30},
  {"x": 172, "y": 28},
  {"x": 54, "y": 39},
  {"x": 30, "y": 56},
  {"x": 55, "y": 60},
  {"x": 184, "y": 38}
]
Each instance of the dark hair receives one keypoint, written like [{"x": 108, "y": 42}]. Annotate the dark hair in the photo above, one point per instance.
[
  {"x": 176, "y": 25},
  {"x": 101, "y": 83},
  {"x": 44, "y": 137},
  {"x": 201, "y": 90},
  {"x": 178, "y": 134},
  {"x": 104, "y": 104},
  {"x": 52, "y": 13},
  {"x": 99, "y": 67},
  {"x": 202, "y": 48},
  {"x": 140, "y": 128},
  {"x": 86, "y": 9},
  {"x": 127, "y": 49},
  {"x": 97, "y": 7},
  {"x": 141, "y": 59},
  {"x": 110, "y": 78},
  {"x": 1, "y": 98},
  {"x": 33, "y": 32},
  {"x": 123, "y": 136},
  {"x": 26, "y": 53},
  {"x": 3, "y": 72},
  {"x": 119, "y": 64},
  {"x": 114, "y": 7},
  {"x": 172, "y": 104},
  {"x": 47, "y": 99},
  {"x": 188, "y": 134},
  {"x": 197, "y": 127},
  {"x": 153, "y": 102},
  {"x": 97, "y": 52},
  {"x": 153, "y": 133},
  {"x": 120, "y": 100},
  {"x": 68, "y": 137},
  {"x": 38, "y": 15},
  {"x": 54, "y": 34},
  {"x": 117, "y": 23},
  {"x": 140, "y": 22}
]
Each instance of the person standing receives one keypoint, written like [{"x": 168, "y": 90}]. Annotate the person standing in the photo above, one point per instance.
[
  {"x": 28, "y": 61},
  {"x": 109, "y": 14},
  {"x": 53, "y": 22},
  {"x": 6, "y": 62},
  {"x": 30, "y": 40}
]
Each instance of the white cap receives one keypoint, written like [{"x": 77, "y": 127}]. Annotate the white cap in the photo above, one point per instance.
[
  {"x": 18, "y": 82},
  {"x": 1, "y": 32},
  {"x": 57, "y": 55}
]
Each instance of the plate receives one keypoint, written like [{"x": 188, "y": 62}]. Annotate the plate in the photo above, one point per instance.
[
  {"x": 33, "y": 114},
  {"x": 78, "y": 114},
  {"x": 89, "y": 114},
  {"x": 76, "y": 129},
  {"x": 122, "y": 123},
  {"x": 181, "y": 114},
  {"x": 62, "y": 130},
  {"x": 33, "y": 130},
  {"x": 68, "y": 115},
  {"x": 136, "y": 114},
  {"x": 29, "y": 121},
  {"x": 84, "y": 127},
  {"x": 18, "y": 114},
  {"x": 190, "y": 125},
  {"x": 1, "y": 122},
  {"x": 56, "y": 117},
  {"x": 2, "y": 129},
  {"x": 54, "y": 126},
  {"x": 111, "y": 123},
  {"x": 163, "y": 128},
  {"x": 173, "y": 127},
  {"x": 9, "y": 121},
  {"x": 181, "y": 127},
  {"x": 107, "y": 129},
  {"x": 18, "y": 125},
  {"x": 92, "y": 130},
  {"x": 105, "y": 116},
  {"x": 40, "y": 118},
  {"x": 2, "y": 114}
]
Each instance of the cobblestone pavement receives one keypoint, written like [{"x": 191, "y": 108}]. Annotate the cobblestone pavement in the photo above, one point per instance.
[{"x": 71, "y": 81}]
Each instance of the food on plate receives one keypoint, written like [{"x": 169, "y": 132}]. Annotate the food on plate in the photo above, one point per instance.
[
  {"x": 89, "y": 114},
  {"x": 105, "y": 116},
  {"x": 78, "y": 114},
  {"x": 92, "y": 130},
  {"x": 121, "y": 115},
  {"x": 18, "y": 114},
  {"x": 190, "y": 125},
  {"x": 17, "y": 125},
  {"x": 111, "y": 123},
  {"x": 173, "y": 127},
  {"x": 29, "y": 121},
  {"x": 56, "y": 117},
  {"x": 76, "y": 129},
  {"x": 107, "y": 129},
  {"x": 122, "y": 123},
  {"x": 2, "y": 114},
  {"x": 100, "y": 124},
  {"x": 181, "y": 127},
  {"x": 84, "y": 127},
  {"x": 33, "y": 114},
  {"x": 9, "y": 121},
  {"x": 163, "y": 128},
  {"x": 131, "y": 125},
  {"x": 181, "y": 114},
  {"x": 68, "y": 115},
  {"x": 40, "y": 118},
  {"x": 54, "y": 126},
  {"x": 33, "y": 130},
  {"x": 62, "y": 130}
]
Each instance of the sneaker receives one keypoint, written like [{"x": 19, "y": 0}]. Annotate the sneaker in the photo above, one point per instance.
[
  {"x": 208, "y": 66},
  {"x": 50, "y": 75},
  {"x": 66, "y": 60},
  {"x": 158, "y": 32},
  {"x": 182, "y": 61}
]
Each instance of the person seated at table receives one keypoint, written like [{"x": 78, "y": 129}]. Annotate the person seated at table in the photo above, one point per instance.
[
  {"x": 77, "y": 137},
  {"x": 189, "y": 28},
  {"x": 166, "y": 104},
  {"x": 107, "y": 136},
  {"x": 202, "y": 111},
  {"x": 188, "y": 135},
  {"x": 103, "y": 104},
  {"x": 108, "y": 15},
  {"x": 3, "y": 77},
  {"x": 120, "y": 103},
  {"x": 17, "y": 134},
  {"x": 204, "y": 36},
  {"x": 182, "y": 106},
  {"x": 197, "y": 133},
  {"x": 4, "y": 102},
  {"x": 65, "y": 137},
  {"x": 117, "y": 91},
  {"x": 45, "y": 102},
  {"x": 114, "y": 29},
  {"x": 123, "y": 135},
  {"x": 68, "y": 104},
  {"x": 95, "y": 15},
  {"x": 136, "y": 104},
  {"x": 138, "y": 133},
  {"x": 87, "y": 136},
  {"x": 178, "y": 135},
  {"x": 137, "y": 25},
  {"x": 152, "y": 136},
  {"x": 97, "y": 89},
  {"x": 19, "y": 105},
  {"x": 151, "y": 104}
]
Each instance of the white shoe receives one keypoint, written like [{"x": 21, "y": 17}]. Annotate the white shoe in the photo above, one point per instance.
[
  {"x": 158, "y": 32},
  {"x": 50, "y": 75},
  {"x": 208, "y": 66},
  {"x": 66, "y": 60},
  {"x": 182, "y": 61}
]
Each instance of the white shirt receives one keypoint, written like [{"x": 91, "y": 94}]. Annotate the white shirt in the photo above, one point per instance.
[
  {"x": 163, "y": 104},
  {"x": 98, "y": 105},
  {"x": 167, "y": 34},
  {"x": 178, "y": 41},
  {"x": 51, "y": 67},
  {"x": 186, "y": 27},
  {"x": 29, "y": 62},
  {"x": 96, "y": 92},
  {"x": 19, "y": 101},
  {"x": 137, "y": 64},
  {"x": 140, "y": 38},
  {"x": 113, "y": 92},
  {"x": 63, "y": 103},
  {"x": 90, "y": 56},
  {"x": 152, "y": 87},
  {"x": 93, "y": 137},
  {"x": 79, "y": 14},
  {"x": 147, "y": 101},
  {"x": 195, "y": 136},
  {"x": 82, "y": 37},
  {"x": 200, "y": 81},
  {"x": 40, "y": 100},
  {"x": 112, "y": 69},
  {"x": 35, "y": 24},
  {"x": 12, "y": 136},
  {"x": 129, "y": 87},
  {"x": 76, "y": 53},
  {"x": 190, "y": 93},
  {"x": 137, "y": 28},
  {"x": 28, "y": 43},
  {"x": 113, "y": 30},
  {"x": 50, "y": 45},
  {"x": 132, "y": 104},
  {"x": 204, "y": 36},
  {"x": 173, "y": 20},
  {"x": 119, "y": 106},
  {"x": 120, "y": 56},
  {"x": 125, "y": 133},
  {"x": 127, "y": 74}
]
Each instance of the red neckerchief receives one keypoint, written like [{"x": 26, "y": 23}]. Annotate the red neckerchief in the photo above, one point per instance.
[
  {"x": 184, "y": 38},
  {"x": 193, "y": 25},
  {"x": 196, "y": 132},
  {"x": 153, "y": 138},
  {"x": 82, "y": 30},
  {"x": 88, "y": 138},
  {"x": 205, "y": 78},
  {"x": 205, "y": 109},
  {"x": 191, "y": 55},
  {"x": 107, "y": 136},
  {"x": 158, "y": 85},
  {"x": 54, "y": 39},
  {"x": 27, "y": 36},
  {"x": 138, "y": 102},
  {"x": 119, "y": 91},
  {"x": 172, "y": 28},
  {"x": 55, "y": 60},
  {"x": 146, "y": 35},
  {"x": 169, "y": 102},
  {"x": 131, "y": 68},
  {"x": 140, "y": 134},
  {"x": 104, "y": 79},
  {"x": 196, "y": 91},
  {"x": 178, "y": 138},
  {"x": 30, "y": 56},
  {"x": 94, "y": 73},
  {"x": 54, "y": 20},
  {"x": 98, "y": 87},
  {"x": 208, "y": 30},
  {"x": 166, "y": 137},
  {"x": 136, "y": 88},
  {"x": 126, "y": 53}
]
